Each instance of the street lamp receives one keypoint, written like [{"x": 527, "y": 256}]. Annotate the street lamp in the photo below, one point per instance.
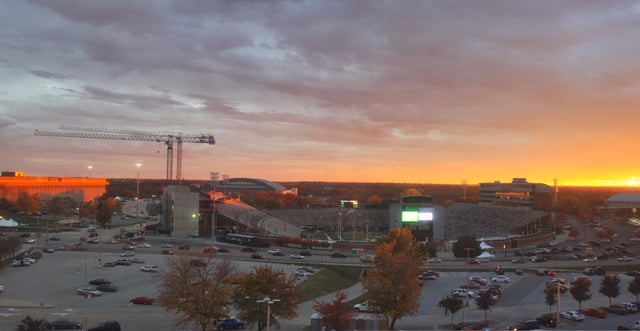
[
  {"x": 269, "y": 302},
  {"x": 138, "y": 165},
  {"x": 90, "y": 168}
]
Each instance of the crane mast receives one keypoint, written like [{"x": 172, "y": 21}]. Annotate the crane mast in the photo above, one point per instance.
[{"x": 168, "y": 138}]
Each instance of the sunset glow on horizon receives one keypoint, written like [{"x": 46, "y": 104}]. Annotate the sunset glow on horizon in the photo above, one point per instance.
[{"x": 333, "y": 91}]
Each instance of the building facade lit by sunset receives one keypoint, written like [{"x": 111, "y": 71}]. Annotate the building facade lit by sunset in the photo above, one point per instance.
[{"x": 79, "y": 189}]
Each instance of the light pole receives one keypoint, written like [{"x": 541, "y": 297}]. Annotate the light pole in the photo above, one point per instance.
[
  {"x": 90, "y": 168},
  {"x": 269, "y": 302},
  {"x": 138, "y": 165}
]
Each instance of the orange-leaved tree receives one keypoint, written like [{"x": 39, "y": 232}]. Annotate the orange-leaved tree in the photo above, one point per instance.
[
  {"x": 264, "y": 291},
  {"x": 391, "y": 286},
  {"x": 335, "y": 315},
  {"x": 198, "y": 293}
]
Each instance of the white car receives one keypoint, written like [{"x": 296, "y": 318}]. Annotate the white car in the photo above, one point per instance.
[
  {"x": 572, "y": 315},
  {"x": 1, "y": 288},
  {"x": 434, "y": 260},
  {"x": 89, "y": 291},
  {"x": 149, "y": 268},
  {"x": 303, "y": 273},
  {"x": 500, "y": 279},
  {"x": 363, "y": 306},
  {"x": 127, "y": 253},
  {"x": 145, "y": 245},
  {"x": 296, "y": 257},
  {"x": 590, "y": 259},
  {"x": 166, "y": 246},
  {"x": 273, "y": 251}
]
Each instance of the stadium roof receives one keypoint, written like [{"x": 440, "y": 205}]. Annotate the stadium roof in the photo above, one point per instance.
[{"x": 631, "y": 198}]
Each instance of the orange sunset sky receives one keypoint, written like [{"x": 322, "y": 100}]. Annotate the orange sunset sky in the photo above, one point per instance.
[{"x": 356, "y": 91}]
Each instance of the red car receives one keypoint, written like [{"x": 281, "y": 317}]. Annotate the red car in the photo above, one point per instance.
[
  {"x": 167, "y": 252},
  {"x": 595, "y": 312},
  {"x": 141, "y": 301}
]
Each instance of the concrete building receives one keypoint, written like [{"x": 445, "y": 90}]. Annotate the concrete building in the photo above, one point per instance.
[
  {"x": 180, "y": 211},
  {"x": 80, "y": 189},
  {"x": 518, "y": 193}
]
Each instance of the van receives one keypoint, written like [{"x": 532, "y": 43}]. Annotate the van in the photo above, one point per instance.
[{"x": 630, "y": 307}]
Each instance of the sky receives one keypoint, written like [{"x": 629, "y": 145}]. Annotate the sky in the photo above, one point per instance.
[{"x": 440, "y": 92}]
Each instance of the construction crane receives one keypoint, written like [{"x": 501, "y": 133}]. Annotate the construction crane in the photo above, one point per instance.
[{"x": 168, "y": 138}]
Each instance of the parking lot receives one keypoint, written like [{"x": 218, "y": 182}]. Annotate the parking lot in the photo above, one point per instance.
[{"x": 48, "y": 289}]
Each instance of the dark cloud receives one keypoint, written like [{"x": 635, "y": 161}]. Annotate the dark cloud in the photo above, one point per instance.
[{"x": 335, "y": 83}]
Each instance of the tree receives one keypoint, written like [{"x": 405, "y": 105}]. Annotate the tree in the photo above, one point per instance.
[
  {"x": 550, "y": 296},
  {"x": 335, "y": 315},
  {"x": 197, "y": 293},
  {"x": 374, "y": 200},
  {"x": 466, "y": 246},
  {"x": 451, "y": 304},
  {"x": 261, "y": 283},
  {"x": 485, "y": 301},
  {"x": 634, "y": 286},
  {"x": 105, "y": 209},
  {"x": 31, "y": 324},
  {"x": 610, "y": 286},
  {"x": 26, "y": 203},
  {"x": 391, "y": 285},
  {"x": 580, "y": 290}
]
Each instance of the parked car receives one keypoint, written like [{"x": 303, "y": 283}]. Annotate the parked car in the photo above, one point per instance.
[
  {"x": 616, "y": 309},
  {"x": 595, "y": 312},
  {"x": 107, "y": 288},
  {"x": 230, "y": 324},
  {"x": 89, "y": 291},
  {"x": 99, "y": 281},
  {"x": 149, "y": 268},
  {"x": 361, "y": 307},
  {"x": 141, "y": 301},
  {"x": 106, "y": 326},
  {"x": 631, "y": 307},
  {"x": 500, "y": 279},
  {"x": 63, "y": 324},
  {"x": 572, "y": 315},
  {"x": 479, "y": 280},
  {"x": 461, "y": 293},
  {"x": 302, "y": 273},
  {"x": 525, "y": 325},
  {"x": 548, "y": 320},
  {"x": 472, "y": 325}
]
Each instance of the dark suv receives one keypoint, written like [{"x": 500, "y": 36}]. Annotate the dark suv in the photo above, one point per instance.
[
  {"x": 525, "y": 325},
  {"x": 107, "y": 326},
  {"x": 548, "y": 320}
]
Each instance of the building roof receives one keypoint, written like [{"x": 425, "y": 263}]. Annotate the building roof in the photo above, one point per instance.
[{"x": 624, "y": 198}]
